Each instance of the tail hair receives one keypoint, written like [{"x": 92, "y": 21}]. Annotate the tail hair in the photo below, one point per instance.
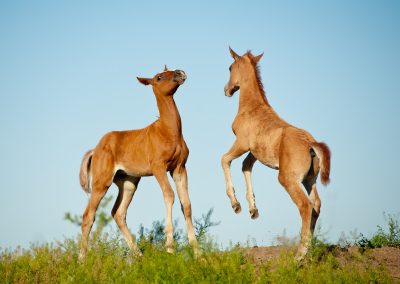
[
  {"x": 84, "y": 173},
  {"x": 324, "y": 155}
]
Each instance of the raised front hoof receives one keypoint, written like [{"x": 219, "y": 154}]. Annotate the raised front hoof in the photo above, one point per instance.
[
  {"x": 254, "y": 213},
  {"x": 237, "y": 208},
  {"x": 170, "y": 250}
]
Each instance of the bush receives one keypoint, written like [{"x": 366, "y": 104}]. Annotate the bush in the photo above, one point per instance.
[{"x": 382, "y": 238}]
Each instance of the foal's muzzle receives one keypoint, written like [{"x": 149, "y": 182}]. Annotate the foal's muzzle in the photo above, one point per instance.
[{"x": 179, "y": 76}]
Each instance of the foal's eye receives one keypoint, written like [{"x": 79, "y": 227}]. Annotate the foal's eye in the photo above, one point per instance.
[{"x": 159, "y": 77}]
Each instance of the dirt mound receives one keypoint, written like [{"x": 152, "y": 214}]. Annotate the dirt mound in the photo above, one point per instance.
[{"x": 389, "y": 257}]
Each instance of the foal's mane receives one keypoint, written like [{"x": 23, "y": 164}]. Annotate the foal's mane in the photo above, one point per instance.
[{"x": 258, "y": 76}]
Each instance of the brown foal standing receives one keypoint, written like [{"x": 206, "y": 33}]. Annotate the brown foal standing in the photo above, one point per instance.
[
  {"x": 123, "y": 157},
  {"x": 275, "y": 143}
]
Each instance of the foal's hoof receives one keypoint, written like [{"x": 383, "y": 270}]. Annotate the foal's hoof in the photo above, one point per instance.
[
  {"x": 254, "y": 213},
  {"x": 137, "y": 253},
  {"x": 237, "y": 208},
  {"x": 197, "y": 253},
  {"x": 300, "y": 259},
  {"x": 301, "y": 254},
  {"x": 81, "y": 257}
]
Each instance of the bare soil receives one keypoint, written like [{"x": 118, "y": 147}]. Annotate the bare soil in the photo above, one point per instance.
[{"x": 388, "y": 257}]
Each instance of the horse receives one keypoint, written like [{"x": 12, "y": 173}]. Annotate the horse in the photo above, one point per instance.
[
  {"x": 276, "y": 144},
  {"x": 123, "y": 157}
]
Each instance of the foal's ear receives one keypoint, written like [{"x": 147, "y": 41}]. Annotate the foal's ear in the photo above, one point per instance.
[
  {"x": 258, "y": 57},
  {"x": 234, "y": 54},
  {"x": 144, "y": 81},
  {"x": 165, "y": 68}
]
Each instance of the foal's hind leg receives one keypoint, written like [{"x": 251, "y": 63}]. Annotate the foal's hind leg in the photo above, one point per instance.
[
  {"x": 88, "y": 217},
  {"x": 311, "y": 188},
  {"x": 127, "y": 187},
  {"x": 294, "y": 187},
  {"x": 247, "y": 166},
  {"x": 234, "y": 152},
  {"x": 310, "y": 184},
  {"x": 103, "y": 172}
]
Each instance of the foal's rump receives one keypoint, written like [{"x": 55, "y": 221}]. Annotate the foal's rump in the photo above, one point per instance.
[{"x": 297, "y": 144}]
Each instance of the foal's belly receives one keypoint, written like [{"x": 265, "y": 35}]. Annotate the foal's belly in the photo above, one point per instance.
[
  {"x": 265, "y": 147},
  {"x": 267, "y": 159},
  {"x": 135, "y": 170}
]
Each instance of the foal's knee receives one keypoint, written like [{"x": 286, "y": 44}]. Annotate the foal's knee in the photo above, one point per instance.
[
  {"x": 225, "y": 162},
  {"x": 169, "y": 197},
  {"x": 305, "y": 206},
  {"x": 186, "y": 209},
  {"x": 85, "y": 218},
  {"x": 118, "y": 217}
]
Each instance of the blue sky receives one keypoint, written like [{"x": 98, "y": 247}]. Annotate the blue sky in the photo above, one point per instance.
[{"x": 67, "y": 76}]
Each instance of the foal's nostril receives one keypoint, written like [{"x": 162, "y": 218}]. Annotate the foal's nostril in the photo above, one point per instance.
[{"x": 180, "y": 73}]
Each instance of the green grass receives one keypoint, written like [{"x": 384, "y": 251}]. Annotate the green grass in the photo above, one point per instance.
[{"x": 109, "y": 261}]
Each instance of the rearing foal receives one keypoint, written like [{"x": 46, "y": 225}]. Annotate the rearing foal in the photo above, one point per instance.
[
  {"x": 123, "y": 157},
  {"x": 275, "y": 143}
]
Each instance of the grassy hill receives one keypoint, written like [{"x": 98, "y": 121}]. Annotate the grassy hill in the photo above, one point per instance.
[{"x": 362, "y": 260}]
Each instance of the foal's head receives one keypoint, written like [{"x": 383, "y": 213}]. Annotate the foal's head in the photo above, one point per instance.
[
  {"x": 165, "y": 83},
  {"x": 242, "y": 66}
]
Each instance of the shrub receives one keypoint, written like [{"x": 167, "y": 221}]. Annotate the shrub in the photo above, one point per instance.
[{"x": 382, "y": 238}]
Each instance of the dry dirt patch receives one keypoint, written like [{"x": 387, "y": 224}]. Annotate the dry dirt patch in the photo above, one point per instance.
[{"x": 389, "y": 257}]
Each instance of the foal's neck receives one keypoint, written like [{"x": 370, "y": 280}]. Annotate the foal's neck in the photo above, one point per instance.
[
  {"x": 251, "y": 94},
  {"x": 169, "y": 114}
]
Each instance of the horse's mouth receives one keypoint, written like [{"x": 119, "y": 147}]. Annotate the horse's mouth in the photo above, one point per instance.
[
  {"x": 230, "y": 92},
  {"x": 234, "y": 89},
  {"x": 180, "y": 81}
]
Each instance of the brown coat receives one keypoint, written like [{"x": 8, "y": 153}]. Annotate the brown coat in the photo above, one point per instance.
[
  {"x": 123, "y": 157},
  {"x": 275, "y": 143}
]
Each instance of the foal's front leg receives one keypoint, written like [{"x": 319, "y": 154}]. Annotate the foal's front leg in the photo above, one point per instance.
[
  {"x": 234, "y": 152},
  {"x": 180, "y": 178},
  {"x": 169, "y": 196}
]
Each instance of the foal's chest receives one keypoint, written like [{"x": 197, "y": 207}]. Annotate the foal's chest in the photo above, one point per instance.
[
  {"x": 239, "y": 124},
  {"x": 178, "y": 156}
]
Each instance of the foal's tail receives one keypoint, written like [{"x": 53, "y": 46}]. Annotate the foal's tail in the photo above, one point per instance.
[
  {"x": 324, "y": 155},
  {"x": 84, "y": 174}
]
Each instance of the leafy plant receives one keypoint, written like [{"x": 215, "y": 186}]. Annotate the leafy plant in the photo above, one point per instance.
[
  {"x": 390, "y": 238},
  {"x": 156, "y": 236},
  {"x": 102, "y": 217},
  {"x": 203, "y": 224},
  {"x": 381, "y": 237}
]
